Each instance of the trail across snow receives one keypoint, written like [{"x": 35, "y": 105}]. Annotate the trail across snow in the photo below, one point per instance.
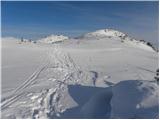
[
  {"x": 91, "y": 77},
  {"x": 46, "y": 93},
  {"x": 45, "y": 88}
]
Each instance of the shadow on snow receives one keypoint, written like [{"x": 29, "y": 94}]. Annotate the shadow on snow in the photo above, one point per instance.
[{"x": 93, "y": 102}]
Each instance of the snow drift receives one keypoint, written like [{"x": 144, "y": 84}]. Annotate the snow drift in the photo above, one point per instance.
[{"x": 135, "y": 99}]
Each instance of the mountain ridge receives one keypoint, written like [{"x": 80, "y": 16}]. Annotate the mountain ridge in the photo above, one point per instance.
[{"x": 101, "y": 34}]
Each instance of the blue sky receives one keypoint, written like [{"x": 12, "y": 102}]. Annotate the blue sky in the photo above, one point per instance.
[{"x": 36, "y": 19}]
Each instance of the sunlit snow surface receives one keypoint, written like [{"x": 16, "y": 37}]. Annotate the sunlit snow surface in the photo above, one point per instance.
[{"x": 95, "y": 76}]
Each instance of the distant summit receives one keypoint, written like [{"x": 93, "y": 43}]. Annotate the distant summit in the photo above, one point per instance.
[
  {"x": 108, "y": 34},
  {"x": 111, "y": 33},
  {"x": 105, "y": 33},
  {"x": 53, "y": 39}
]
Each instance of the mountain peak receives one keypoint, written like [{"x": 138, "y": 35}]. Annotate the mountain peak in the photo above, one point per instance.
[
  {"x": 111, "y": 33},
  {"x": 105, "y": 33},
  {"x": 53, "y": 38}
]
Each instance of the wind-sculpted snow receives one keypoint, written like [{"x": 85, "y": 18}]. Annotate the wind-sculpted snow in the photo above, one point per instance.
[{"x": 135, "y": 99}]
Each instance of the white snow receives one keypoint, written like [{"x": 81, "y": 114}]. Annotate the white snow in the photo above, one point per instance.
[
  {"x": 135, "y": 99},
  {"x": 128, "y": 99},
  {"x": 89, "y": 77},
  {"x": 138, "y": 44},
  {"x": 114, "y": 34},
  {"x": 105, "y": 33},
  {"x": 53, "y": 39}
]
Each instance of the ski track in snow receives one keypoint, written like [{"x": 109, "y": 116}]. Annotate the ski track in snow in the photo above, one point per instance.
[
  {"x": 51, "y": 81},
  {"x": 19, "y": 90},
  {"x": 10, "y": 101},
  {"x": 30, "y": 80},
  {"x": 48, "y": 103}
]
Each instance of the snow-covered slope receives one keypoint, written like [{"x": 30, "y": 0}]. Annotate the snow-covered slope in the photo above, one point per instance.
[
  {"x": 114, "y": 34},
  {"x": 135, "y": 99},
  {"x": 53, "y": 39},
  {"x": 105, "y": 33},
  {"x": 91, "y": 77}
]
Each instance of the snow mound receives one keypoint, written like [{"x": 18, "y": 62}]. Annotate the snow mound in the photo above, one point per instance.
[
  {"x": 53, "y": 39},
  {"x": 125, "y": 100},
  {"x": 99, "y": 105},
  {"x": 117, "y": 35},
  {"x": 135, "y": 99},
  {"x": 105, "y": 32}
]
